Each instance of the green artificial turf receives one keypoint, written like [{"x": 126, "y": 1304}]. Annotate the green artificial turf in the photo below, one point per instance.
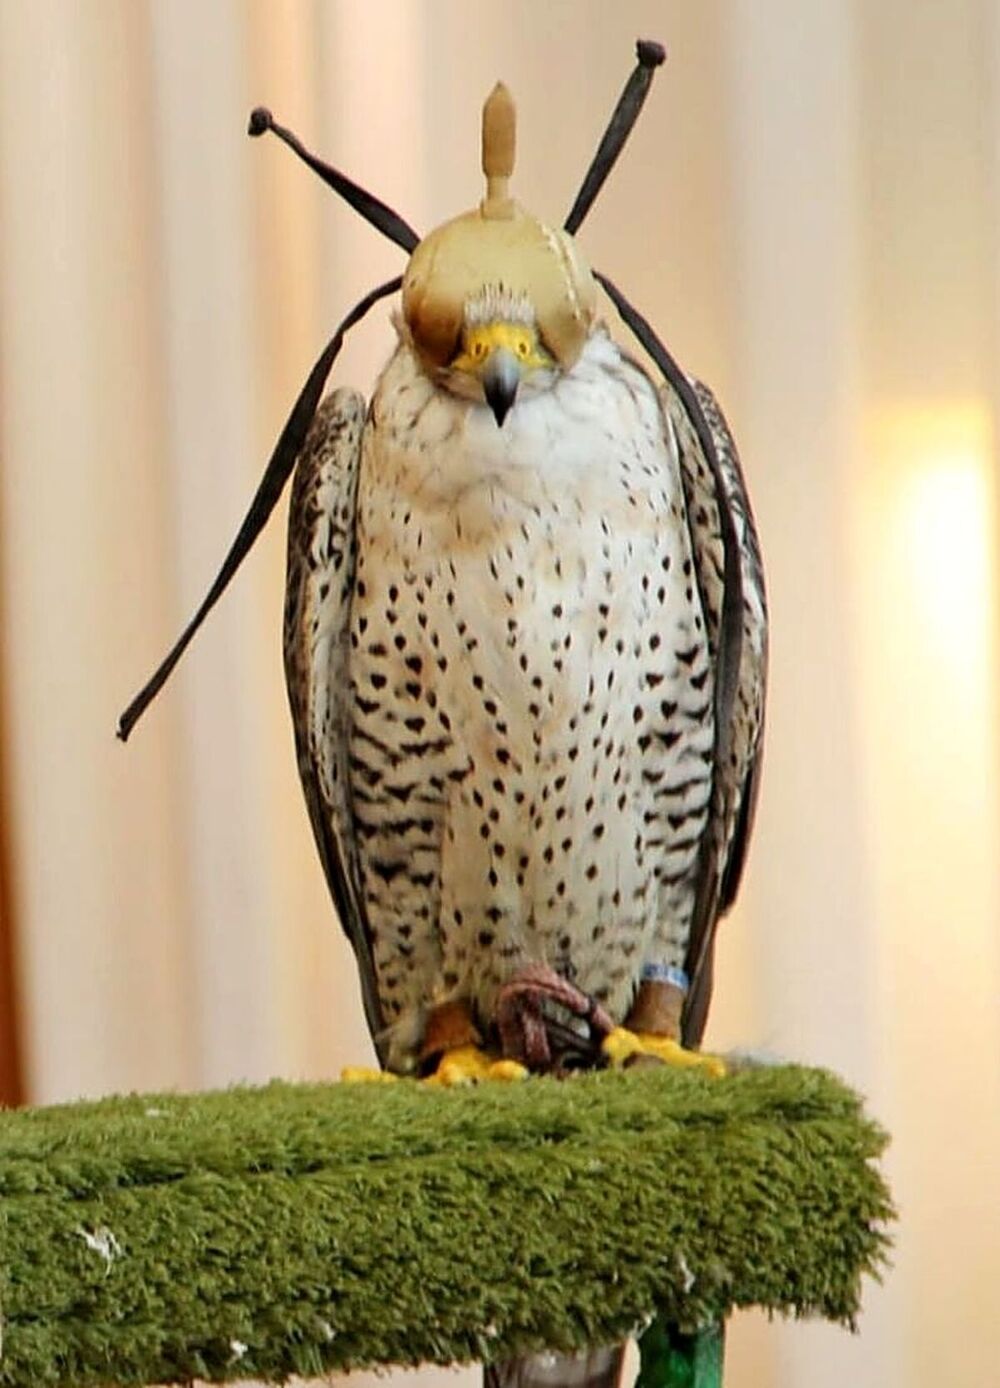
[{"x": 257, "y": 1233}]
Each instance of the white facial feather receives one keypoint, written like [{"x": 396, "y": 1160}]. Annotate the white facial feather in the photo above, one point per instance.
[{"x": 495, "y": 304}]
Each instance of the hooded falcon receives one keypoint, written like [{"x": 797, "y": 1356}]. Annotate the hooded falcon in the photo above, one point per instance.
[{"x": 525, "y": 647}]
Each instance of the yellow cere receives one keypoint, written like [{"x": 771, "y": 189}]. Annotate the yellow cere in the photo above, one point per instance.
[{"x": 483, "y": 338}]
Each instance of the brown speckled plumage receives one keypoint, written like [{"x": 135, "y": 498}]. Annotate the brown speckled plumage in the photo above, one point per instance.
[{"x": 501, "y": 649}]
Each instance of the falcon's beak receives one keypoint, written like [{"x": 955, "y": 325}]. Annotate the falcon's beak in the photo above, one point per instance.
[{"x": 501, "y": 378}]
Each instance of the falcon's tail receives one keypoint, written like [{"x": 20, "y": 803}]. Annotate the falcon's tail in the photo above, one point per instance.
[{"x": 593, "y": 1368}]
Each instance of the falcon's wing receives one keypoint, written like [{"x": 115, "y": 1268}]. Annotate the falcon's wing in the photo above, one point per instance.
[
  {"x": 735, "y": 606},
  {"x": 320, "y": 580}
]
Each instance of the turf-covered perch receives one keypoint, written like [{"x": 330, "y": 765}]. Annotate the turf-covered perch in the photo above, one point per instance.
[{"x": 258, "y": 1233}]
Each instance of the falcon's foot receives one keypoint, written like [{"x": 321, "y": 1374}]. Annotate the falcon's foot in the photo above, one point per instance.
[
  {"x": 365, "y": 1074},
  {"x": 463, "y": 1065},
  {"x": 623, "y": 1047},
  {"x": 547, "y": 1023},
  {"x": 468, "y": 1065},
  {"x": 452, "y": 1053}
]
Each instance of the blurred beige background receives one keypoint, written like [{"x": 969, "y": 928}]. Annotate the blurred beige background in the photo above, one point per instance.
[{"x": 808, "y": 212}]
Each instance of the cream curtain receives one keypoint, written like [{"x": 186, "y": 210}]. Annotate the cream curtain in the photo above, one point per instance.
[{"x": 809, "y": 213}]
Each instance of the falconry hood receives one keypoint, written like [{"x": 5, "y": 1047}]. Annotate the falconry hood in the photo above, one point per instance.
[{"x": 498, "y": 246}]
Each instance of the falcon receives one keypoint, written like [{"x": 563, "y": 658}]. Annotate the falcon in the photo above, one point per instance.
[
  {"x": 525, "y": 648},
  {"x": 506, "y": 660}
]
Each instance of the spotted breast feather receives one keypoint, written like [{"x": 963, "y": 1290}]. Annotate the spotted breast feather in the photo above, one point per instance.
[{"x": 501, "y": 647}]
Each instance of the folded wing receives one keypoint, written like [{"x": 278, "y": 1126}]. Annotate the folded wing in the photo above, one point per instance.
[
  {"x": 320, "y": 581},
  {"x": 735, "y": 606}
]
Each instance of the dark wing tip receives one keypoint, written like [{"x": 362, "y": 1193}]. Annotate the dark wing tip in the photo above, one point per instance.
[
  {"x": 260, "y": 121},
  {"x": 650, "y": 53}
]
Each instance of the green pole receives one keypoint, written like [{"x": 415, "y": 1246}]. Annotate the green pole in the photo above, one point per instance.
[{"x": 670, "y": 1359}]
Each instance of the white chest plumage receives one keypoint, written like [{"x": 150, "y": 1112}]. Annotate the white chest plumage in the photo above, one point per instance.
[{"x": 531, "y": 697}]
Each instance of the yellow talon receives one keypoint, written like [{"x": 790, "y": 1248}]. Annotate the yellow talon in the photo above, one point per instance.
[
  {"x": 468, "y": 1065},
  {"x": 364, "y": 1074},
  {"x": 621, "y": 1044},
  {"x": 507, "y": 1071}
]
